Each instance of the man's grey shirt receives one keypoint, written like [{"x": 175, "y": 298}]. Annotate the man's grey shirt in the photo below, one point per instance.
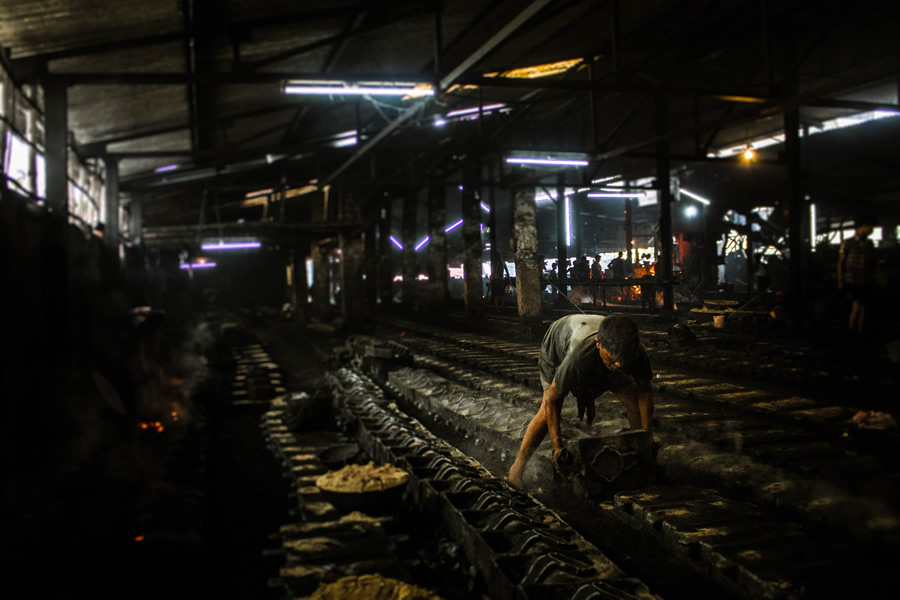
[{"x": 569, "y": 355}]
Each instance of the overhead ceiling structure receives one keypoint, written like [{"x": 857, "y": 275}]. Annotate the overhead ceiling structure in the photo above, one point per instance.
[{"x": 198, "y": 86}]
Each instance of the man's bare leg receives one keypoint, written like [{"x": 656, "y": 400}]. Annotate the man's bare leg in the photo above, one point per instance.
[{"x": 854, "y": 315}]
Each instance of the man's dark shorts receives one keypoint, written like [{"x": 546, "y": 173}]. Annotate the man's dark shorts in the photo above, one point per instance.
[{"x": 859, "y": 293}]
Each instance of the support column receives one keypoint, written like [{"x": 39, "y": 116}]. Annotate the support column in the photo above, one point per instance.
[
  {"x": 321, "y": 280},
  {"x": 385, "y": 265},
  {"x": 496, "y": 252},
  {"x": 437, "y": 246},
  {"x": 664, "y": 268},
  {"x": 575, "y": 224},
  {"x": 561, "y": 246},
  {"x": 56, "y": 125},
  {"x": 111, "y": 203},
  {"x": 629, "y": 237},
  {"x": 471, "y": 214},
  {"x": 136, "y": 214},
  {"x": 410, "y": 272},
  {"x": 528, "y": 267},
  {"x": 797, "y": 208},
  {"x": 352, "y": 262},
  {"x": 54, "y": 248},
  {"x": 371, "y": 267}
]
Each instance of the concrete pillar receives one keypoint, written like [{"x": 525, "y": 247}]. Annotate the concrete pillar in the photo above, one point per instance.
[
  {"x": 471, "y": 233},
  {"x": 629, "y": 236},
  {"x": 562, "y": 249},
  {"x": 664, "y": 268},
  {"x": 111, "y": 203},
  {"x": 370, "y": 243},
  {"x": 410, "y": 272},
  {"x": 56, "y": 126},
  {"x": 528, "y": 267},
  {"x": 352, "y": 298},
  {"x": 798, "y": 209},
  {"x": 136, "y": 214},
  {"x": 321, "y": 281},
  {"x": 437, "y": 246},
  {"x": 54, "y": 251},
  {"x": 575, "y": 224},
  {"x": 385, "y": 265},
  {"x": 496, "y": 251}
]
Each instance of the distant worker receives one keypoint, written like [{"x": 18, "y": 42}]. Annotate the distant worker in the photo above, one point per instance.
[
  {"x": 587, "y": 355},
  {"x": 618, "y": 267},
  {"x": 856, "y": 272},
  {"x": 598, "y": 291}
]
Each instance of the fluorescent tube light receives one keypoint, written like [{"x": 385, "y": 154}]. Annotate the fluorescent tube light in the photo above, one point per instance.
[
  {"x": 198, "y": 265},
  {"x": 474, "y": 110},
  {"x": 363, "y": 88},
  {"x": 396, "y": 243},
  {"x": 422, "y": 243},
  {"x": 485, "y": 207},
  {"x": 691, "y": 194},
  {"x": 231, "y": 245},
  {"x": 165, "y": 169},
  {"x": 547, "y": 161},
  {"x": 258, "y": 193},
  {"x": 454, "y": 226},
  {"x": 614, "y": 195},
  {"x": 343, "y": 143},
  {"x": 568, "y": 223}
]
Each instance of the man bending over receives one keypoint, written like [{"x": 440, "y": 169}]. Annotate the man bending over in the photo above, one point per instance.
[{"x": 587, "y": 355}]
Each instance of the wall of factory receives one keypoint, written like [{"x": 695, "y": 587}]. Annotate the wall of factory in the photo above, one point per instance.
[{"x": 64, "y": 316}]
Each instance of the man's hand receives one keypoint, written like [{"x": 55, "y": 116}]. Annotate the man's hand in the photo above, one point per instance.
[{"x": 564, "y": 461}]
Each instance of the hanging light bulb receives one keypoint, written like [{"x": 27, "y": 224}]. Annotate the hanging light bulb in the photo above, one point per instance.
[{"x": 749, "y": 153}]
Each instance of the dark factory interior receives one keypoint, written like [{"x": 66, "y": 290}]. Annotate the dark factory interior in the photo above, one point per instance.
[{"x": 421, "y": 299}]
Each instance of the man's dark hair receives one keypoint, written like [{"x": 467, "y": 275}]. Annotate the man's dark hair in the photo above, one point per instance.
[
  {"x": 619, "y": 336},
  {"x": 870, "y": 220}
]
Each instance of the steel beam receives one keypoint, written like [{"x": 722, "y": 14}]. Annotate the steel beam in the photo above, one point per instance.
[
  {"x": 223, "y": 78},
  {"x": 445, "y": 82},
  {"x": 588, "y": 85}
]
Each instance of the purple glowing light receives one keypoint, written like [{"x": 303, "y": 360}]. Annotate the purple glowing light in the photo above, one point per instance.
[
  {"x": 199, "y": 265},
  {"x": 231, "y": 246},
  {"x": 454, "y": 226}
]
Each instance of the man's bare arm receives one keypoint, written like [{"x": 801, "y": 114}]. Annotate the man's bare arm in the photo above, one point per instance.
[
  {"x": 645, "y": 404},
  {"x": 551, "y": 406},
  {"x": 536, "y": 431}
]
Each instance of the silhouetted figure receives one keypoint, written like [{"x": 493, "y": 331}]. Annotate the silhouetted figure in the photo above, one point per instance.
[{"x": 856, "y": 272}]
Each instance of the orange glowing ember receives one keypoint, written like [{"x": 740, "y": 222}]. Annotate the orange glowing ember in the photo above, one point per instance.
[{"x": 138, "y": 538}]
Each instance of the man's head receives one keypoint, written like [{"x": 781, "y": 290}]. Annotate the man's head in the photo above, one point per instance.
[
  {"x": 865, "y": 225},
  {"x": 618, "y": 342},
  {"x": 619, "y": 255}
]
